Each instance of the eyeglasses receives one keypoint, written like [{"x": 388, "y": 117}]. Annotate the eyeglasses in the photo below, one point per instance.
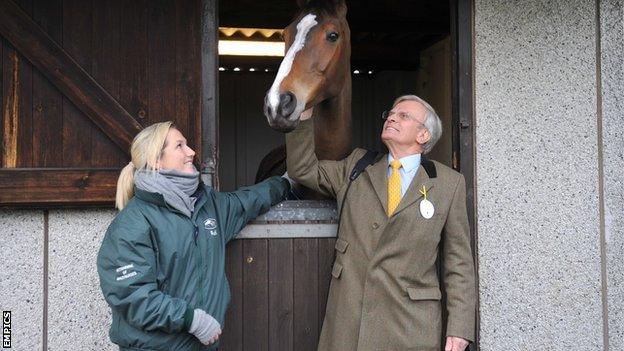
[{"x": 402, "y": 116}]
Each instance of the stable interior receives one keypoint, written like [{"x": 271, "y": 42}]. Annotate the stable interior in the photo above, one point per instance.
[{"x": 398, "y": 47}]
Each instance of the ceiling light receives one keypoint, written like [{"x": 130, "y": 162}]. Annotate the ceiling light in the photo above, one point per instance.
[{"x": 251, "y": 48}]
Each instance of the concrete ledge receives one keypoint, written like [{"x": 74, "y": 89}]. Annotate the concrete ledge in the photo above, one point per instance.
[{"x": 267, "y": 231}]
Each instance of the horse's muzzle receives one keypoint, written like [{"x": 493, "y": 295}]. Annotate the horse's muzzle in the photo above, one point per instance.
[{"x": 282, "y": 117}]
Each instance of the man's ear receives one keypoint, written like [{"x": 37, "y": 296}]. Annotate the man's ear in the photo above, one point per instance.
[{"x": 423, "y": 136}]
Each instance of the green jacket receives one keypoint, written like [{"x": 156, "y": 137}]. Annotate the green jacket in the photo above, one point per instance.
[{"x": 157, "y": 265}]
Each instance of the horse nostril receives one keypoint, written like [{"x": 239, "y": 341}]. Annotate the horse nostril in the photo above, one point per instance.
[
  {"x": 287, "y": 104},
  {"x": 286, "y": 98}
]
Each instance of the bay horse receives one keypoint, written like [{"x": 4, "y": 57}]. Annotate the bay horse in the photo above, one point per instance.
[{"x": 315, "y": 77}]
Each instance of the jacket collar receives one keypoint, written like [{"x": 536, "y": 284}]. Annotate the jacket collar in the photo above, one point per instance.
[{"x": 158, "y": 200}]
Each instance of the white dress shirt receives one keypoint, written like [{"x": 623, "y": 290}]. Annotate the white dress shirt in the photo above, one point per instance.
[{"x": 409, "y": 168}]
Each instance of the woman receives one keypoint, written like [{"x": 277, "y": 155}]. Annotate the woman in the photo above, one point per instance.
[{"x": 161, "y": 263}]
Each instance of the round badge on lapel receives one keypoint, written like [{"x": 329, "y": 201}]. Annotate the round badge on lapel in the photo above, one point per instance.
[{"x": 426, "y": 209}]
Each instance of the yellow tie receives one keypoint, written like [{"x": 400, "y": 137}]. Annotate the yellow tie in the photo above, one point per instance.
[{"x": 394, "y": 187}]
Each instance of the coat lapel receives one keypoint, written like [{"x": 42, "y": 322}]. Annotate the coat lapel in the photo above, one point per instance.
[
  {"x": 413, "y": 192},
  {"x": 379, "y": 178}
]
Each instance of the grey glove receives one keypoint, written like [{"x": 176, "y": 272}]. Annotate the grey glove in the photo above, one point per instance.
[
  {"x": 205, "y": 327},
  {"x": 295, "y": 188},
  {"x": 293, "y": 184}
]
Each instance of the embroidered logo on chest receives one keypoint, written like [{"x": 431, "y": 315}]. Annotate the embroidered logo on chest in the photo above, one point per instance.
[{"x": 211, "y": 225}]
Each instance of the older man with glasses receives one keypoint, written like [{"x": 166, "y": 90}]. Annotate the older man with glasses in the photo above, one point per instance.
[{"x": 401, "y": 219}]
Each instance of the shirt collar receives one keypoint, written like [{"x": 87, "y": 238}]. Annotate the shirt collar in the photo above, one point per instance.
[{"x": 409, "y": 163}]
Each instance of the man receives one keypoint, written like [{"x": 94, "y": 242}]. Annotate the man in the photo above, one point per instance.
[{"x": 385, "y": 292}]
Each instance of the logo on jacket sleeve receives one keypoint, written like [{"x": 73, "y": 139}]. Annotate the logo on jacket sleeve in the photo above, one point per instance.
[
  {"x": 211, "y": 225},
  {"x": 125, "y": 272}
]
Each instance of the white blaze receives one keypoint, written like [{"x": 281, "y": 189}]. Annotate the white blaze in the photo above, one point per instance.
[{"x": 303, "y": 27}]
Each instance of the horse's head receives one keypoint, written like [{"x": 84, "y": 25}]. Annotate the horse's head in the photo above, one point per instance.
[{"x": 315, "y": 66}]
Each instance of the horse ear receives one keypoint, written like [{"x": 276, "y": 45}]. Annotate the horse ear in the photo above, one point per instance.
[
  {"x": 342, "y": 10},
  {"x": 302, "y": 3},
  {"x": 341, "y": 7}
]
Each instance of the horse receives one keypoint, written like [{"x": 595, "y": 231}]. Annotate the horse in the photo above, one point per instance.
[{"x": 315, "y": 77}]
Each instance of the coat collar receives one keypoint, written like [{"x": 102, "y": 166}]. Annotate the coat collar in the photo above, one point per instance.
[
  {"x": 378, "y": 174},
  {"x": 158, "y": 200}
]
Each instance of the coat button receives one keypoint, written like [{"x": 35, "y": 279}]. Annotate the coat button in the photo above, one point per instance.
[{"x": 375, "y": 225}]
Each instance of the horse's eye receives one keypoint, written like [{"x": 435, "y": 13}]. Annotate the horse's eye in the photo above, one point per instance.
[{"x": 332, "y": 36}]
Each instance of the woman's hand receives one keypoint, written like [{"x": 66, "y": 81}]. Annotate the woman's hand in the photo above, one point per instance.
[
  {"x": 215, "y": 339},
  {"x": 205, "y": 327}
]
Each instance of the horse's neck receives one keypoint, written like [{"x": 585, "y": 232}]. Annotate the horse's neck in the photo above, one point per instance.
[{"x": 332, "y": 126}]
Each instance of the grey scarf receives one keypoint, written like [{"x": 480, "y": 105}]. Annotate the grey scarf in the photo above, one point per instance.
[{"x": 175, "y": 186}]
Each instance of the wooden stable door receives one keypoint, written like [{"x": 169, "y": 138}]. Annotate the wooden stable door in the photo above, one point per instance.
[
  {"x": 279, "y": 290},
  {"x": 78, "y": 80}
]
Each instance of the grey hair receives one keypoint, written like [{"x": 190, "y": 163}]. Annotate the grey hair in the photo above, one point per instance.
[{"x": 432, "y": 121}]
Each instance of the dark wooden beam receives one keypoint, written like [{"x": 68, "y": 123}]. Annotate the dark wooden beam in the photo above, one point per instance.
[
  {"x": 462, "y": 40},
  {"x": 209, "y": 92},
  {"x": 67, "y": 75},
  {"x": 52, "y": 187}
]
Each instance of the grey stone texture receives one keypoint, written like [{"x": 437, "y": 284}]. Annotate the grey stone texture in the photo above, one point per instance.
[
  {"x": 612, "y": 69},
  {"x": 21, "y": 276},
  {"x": 79, "y": 318},
  {"x": 537, "y": 175}
]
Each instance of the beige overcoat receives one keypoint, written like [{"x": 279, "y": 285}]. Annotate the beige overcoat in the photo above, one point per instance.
[{"x": 385, "y": 293}]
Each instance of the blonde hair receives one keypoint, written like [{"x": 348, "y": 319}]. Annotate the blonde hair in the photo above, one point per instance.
[{"x": 145, "y": 151}]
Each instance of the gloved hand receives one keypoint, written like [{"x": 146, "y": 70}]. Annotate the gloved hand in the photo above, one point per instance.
[
  {"x": 292, "y": 182},
  {"x": 295, "y": 188},
  {"x": 205, "y": 327}
]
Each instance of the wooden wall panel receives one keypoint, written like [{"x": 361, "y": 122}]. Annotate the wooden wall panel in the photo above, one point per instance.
[
  {"x": 133, "y": 87},
  {"x": 161, "y": 28},
  {"x": 281, "y": 284},
  {"x": 17, "y": 104},
  {"x": 232, "y": 337},
  {"x": 2, "y": 84},
  {"x": 187, "y": 57},
  {"x": 105, "y": 68},
  {"x": 47, "y": 100},
  {"x": 25, "y": 125},
  {"x": 306, "y": 331},
  {"x": 77, "y": 129},
  {"x": 278, "y": 287},
  {"x": 255, "y": 295},
  {"x": 59, "y": 186}
]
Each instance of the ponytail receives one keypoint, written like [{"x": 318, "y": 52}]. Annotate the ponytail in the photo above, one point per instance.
[{"x": 125, "y": 186}]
